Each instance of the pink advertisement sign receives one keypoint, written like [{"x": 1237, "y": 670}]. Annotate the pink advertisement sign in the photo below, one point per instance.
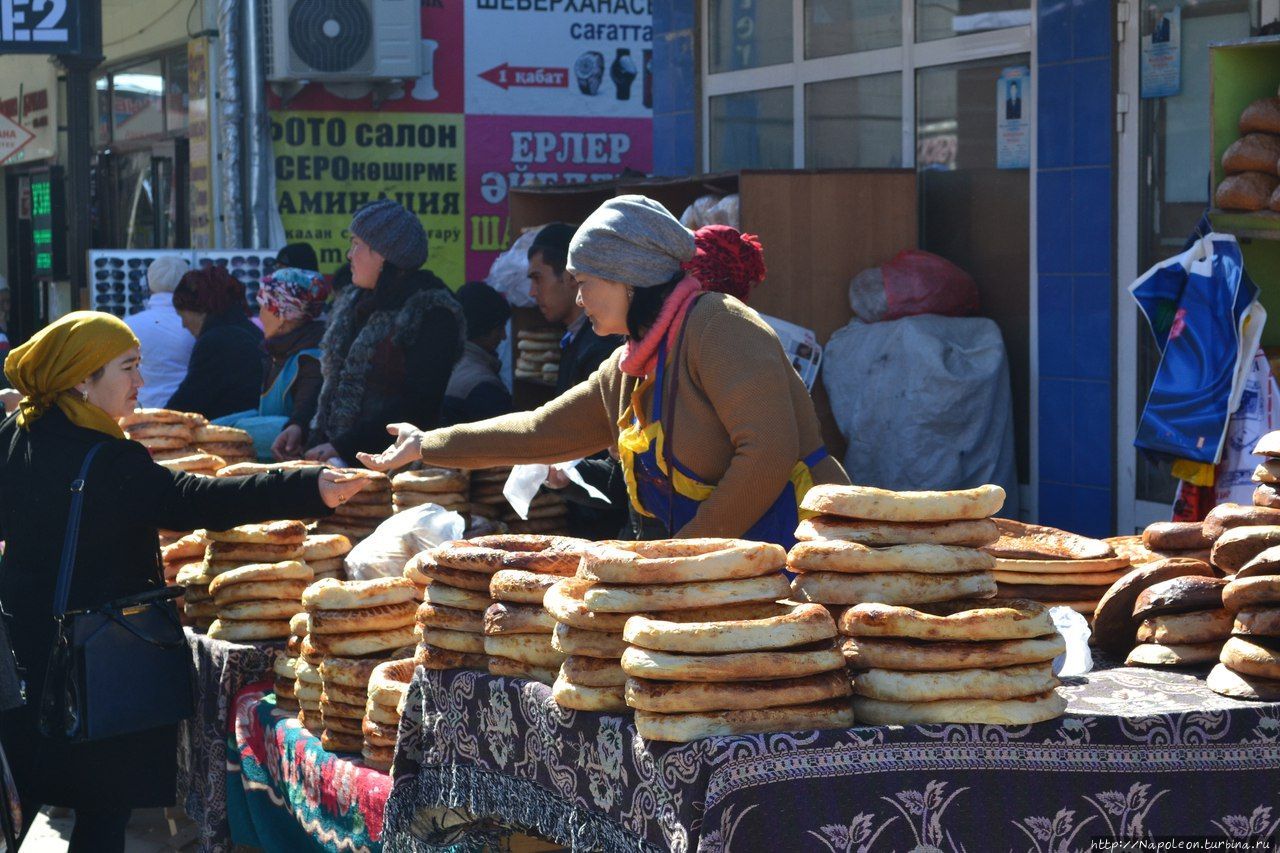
[{"x": 514, "y": 151}]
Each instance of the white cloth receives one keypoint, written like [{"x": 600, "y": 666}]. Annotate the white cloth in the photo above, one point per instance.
[{"x": 166, "y": 349}]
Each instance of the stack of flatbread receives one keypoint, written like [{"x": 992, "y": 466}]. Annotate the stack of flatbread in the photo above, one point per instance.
[
  {"x": 547, "y": 511},
  {"x": 198, "y": 609},
  {"x": 233, "y": 445},
  {"x": 520, "y": 637},
  {"x": 166, "y": 433},
  {"x": 325, "y": 553},
  {"x": 774, "y": 673},
  {"x": 1053, "y": 566},
  {"x": 203, "y": 464},
  {"x": 1267, "y": 475},
  {"x": 364, "y": 511},
  {"x": 187, "y": 551},
  {"x": 352, "y": 626},
  {"x": 1181, "y": 622},
  {"x": 874, "y": 545},
  {"x": 285, "y": 668},
  {"x": 445, "y": 487},
  {"x": 979, "y": 661},
  {"x": 1250, "y": 659},
  {"x": 1190, "y": 539},
  {"x": 487, "y": 500},
  {"x": 388, "y": 686},
  {"x": 538, "y": 355},
  {"x": 256, "y": 578}
]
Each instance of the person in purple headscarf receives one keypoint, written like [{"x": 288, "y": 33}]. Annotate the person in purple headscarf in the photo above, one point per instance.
[{"x": 290, "y": 302}]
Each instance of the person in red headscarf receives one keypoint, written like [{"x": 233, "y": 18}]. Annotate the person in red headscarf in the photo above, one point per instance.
[
  {"x": 727, "y": 261},
  {"x": 225, "y": 372}
]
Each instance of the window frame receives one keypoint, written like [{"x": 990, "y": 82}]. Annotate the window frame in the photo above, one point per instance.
[
  {"x": 165, "y": 58},
  {"x": 907, "y": 59}
]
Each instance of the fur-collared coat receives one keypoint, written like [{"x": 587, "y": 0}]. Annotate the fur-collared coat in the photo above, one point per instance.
[{"x": 388, "y": 355}]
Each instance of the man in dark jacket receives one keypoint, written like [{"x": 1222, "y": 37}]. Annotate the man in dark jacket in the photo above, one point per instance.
[
  {"x": 475, "y": 390},
  {"x": 392, "y": 341},
  {"x": 556, "y": 293}
]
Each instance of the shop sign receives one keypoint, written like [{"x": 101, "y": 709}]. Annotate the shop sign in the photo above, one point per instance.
[
  {"x": 33, "y": 109},
  {"x": 48, "y": 246},
  {"x": 40, "y": 26},
  {"x": 13, "y": 137}
]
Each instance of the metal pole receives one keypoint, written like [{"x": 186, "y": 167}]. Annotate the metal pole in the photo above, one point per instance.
[
  {"x": 257, "y": 199},
  {"x": 80, "y": 148}
]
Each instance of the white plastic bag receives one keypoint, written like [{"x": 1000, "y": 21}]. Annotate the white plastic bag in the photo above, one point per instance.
[
  {"x": 1074, "y": 628},
  {"x": 509, "y": 274},
  {"x": 385, "y": 552},
  {"x": 1257, "y": 415},
  {"x": 525, "y": 480}
]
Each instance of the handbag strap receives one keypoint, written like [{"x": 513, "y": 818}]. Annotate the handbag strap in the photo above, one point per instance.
[{"x": 72, "y": 538}]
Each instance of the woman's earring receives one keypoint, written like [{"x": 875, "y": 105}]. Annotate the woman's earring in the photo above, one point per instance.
[
  {"x": 84, "y": 395},
  {"x": 631, "y": 294}
]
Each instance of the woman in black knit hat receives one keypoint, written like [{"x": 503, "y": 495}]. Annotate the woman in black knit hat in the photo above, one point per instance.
[{"x": 392, "y": 339}]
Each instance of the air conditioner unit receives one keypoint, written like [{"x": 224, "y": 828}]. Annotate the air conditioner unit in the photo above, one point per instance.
[{"x": 343, "y": 39}]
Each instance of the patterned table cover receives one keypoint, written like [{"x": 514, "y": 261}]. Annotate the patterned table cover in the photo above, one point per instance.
[
  {"x": 1140, "y": 752},
  {"x": 288, "y": 794},
  {"x": 222, "y": 670}
]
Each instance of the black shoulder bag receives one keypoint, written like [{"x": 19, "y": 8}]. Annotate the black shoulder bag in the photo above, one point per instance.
[{"x": 117, "y": 668}]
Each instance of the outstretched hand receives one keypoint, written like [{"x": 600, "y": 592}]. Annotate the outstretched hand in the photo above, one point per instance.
[
  {"x": 406, "y": 449},
  {"x": 337, "y": 486}
]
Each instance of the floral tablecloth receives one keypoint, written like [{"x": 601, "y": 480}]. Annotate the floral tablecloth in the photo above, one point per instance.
[
  {"x": 222, "y": 670},
  {"x": 287, "y": 794},
  {"x": 1140, "y": 752}
]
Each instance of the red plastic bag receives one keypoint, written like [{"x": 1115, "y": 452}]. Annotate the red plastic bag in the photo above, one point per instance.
[{"x": 918, "y": 282}]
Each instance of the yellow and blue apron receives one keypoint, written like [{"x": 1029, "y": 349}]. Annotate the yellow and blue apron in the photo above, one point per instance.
[
  {"x": 274, "y": 407},
  {"x": 663, "y": 489}
]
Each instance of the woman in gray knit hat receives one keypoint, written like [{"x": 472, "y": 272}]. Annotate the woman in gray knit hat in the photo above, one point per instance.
[
  {"x": 392, "y": 339},
  {"x": 714, "y": 430}
]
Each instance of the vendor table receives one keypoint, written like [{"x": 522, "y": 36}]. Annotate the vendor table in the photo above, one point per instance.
[
  {"x": 1140, "y": 752},
  {"x": 222, "y": 670},
  {"x": 285, "y": 792}
]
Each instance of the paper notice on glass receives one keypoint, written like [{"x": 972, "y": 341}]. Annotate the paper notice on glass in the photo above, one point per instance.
[
  {"x": 1162, "y": 56},
  {"x": 1013, "y": 118},
  {"x": 525, "y": 480}
]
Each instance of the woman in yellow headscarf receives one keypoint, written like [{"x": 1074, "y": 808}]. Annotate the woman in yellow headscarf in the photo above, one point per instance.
[{"x": 77, "y": 377}]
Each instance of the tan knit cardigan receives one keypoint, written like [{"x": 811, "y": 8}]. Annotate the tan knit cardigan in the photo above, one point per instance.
[{"x": 742, "y": 416}]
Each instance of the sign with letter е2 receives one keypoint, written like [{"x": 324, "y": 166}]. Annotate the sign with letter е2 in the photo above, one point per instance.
[{"x": 40, "y": 26}]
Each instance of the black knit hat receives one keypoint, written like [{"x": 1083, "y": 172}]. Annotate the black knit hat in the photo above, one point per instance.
[
  {"x": 392, "y": 232},
  {"x": 484, "y": 308}
]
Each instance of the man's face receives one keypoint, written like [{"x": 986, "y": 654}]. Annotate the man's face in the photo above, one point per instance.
[{"x": 555, "y": 294}]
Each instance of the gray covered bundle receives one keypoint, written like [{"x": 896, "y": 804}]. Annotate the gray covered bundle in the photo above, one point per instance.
[{"x": 924, "y": 403}]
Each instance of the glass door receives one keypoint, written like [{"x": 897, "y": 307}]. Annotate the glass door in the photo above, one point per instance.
[{"x": 1167, "y": 154}]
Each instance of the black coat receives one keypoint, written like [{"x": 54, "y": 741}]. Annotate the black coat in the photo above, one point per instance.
[
  {"x": 127, "y": 497},
  {"x": 224, "y": 375}
]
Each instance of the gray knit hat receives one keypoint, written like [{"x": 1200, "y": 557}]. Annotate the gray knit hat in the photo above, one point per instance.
[
  {"x": 392, "y": 232},
  {"x": 631, "y": 239}
]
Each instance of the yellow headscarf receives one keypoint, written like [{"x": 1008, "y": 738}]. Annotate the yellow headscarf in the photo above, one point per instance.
[{"x": 47, "y": 368}]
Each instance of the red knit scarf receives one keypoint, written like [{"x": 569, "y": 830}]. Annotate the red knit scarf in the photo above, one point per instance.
[{"x": 640, "y": 358}]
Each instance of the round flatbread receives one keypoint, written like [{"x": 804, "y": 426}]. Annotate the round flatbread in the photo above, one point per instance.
[
  {"x": 682, "y": 697},
  {"x": 379, "y": 618},
  {"x": 682, "y": 561},
  {"x": 565, "y": 601},
  {"x": 1249, "y": 656},
  {"x": 521, "y": 587},
  {"x": 325, "y": 546},
  {"x": 422, "y": 569},
  {"x": 509, "y": 668},
  {"x": 260, "y": 591},
  {"x": 451, "y": 596},
  {"x": 607, "y": 700},
  {"x": 872, "y": 504},
  {"x": 505, "y": 618},
  {"x": 801, "y": 624},
  {"x": 271, "y": 533},
  {"x": 1205, "y": 626},
  {"x": 389, "y": 682},
  {"x": 945, "y": 655},
  {"x": 432, "y": 480},
  {"x": 351, "y": 673},
  {"x": 1008, "y": 682},
  {"x": 1105, "y": 565},
  {"x": 972, "y": 534},
  {"x": 366, "y": 643},
  {"x": 332, "y": 741},
  {"x": 851, "y": 557},
  {"x": 1022, "y": 711},
  {"x": 593, "y": 672},
  {"x": 890, "y": 588},
  {"x": 682, "y": 596},
  {"x": 258, "y": 611},
  {"x": 1240, "y": 686},
  {"x": 1259, "y": 622},
  {"x": 961, "y": 620},
  {"x": 1183, "y": 654},
  {"x": 432, "y": 615},
  {"x": 682, "y": 728},
  {"x": 248, "y": 631},
  {"x": 329, "y": 594},
  {"x": 740, "y": 666},
  {"x": 290, "y": 570},
  {"x": 454, "y": 641},
  {"x": 1100, "y": 579},
  {"x": 532, "y": 649},
  {"x": 579, "y": 641},
  {"x": 431, "y": 657},
  {"x": 1249, "y": 592}
]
